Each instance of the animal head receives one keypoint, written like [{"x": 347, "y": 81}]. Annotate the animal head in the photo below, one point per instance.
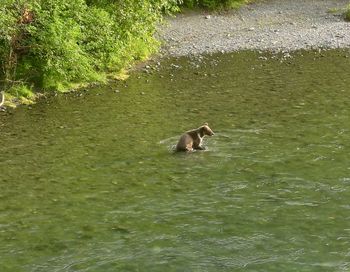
[{"x": 206, "y": 130}]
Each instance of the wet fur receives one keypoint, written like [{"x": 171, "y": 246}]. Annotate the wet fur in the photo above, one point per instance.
[{"x": 192, "y": 139}]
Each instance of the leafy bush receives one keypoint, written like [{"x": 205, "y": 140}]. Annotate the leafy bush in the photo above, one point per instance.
[
  {"x": 21, "y": 91},
  {"x": 55, "y": 43},
  {"x": 214, "y": 4},
  {"x": 347, "y": 13}
]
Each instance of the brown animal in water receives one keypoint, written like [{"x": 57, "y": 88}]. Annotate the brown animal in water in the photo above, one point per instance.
[{"x": 192, "y": 139}]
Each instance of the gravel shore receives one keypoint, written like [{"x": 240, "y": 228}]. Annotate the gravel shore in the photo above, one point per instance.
[{"x": 270, "y": 25}]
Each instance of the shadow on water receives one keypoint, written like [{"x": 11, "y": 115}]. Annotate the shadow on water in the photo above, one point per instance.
[{"x": 89, "y": 181}]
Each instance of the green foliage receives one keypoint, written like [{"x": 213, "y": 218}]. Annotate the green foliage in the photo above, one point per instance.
[
  {"x": 347, "y": 13},
  {"x": 56, "y": 43},
  {"x": 214, "y": 4},
  {"x": 56, "y": 36},
  {"x": 21, "y": 91}
]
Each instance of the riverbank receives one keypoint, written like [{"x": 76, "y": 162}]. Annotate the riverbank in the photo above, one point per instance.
[
  {"x": 270, "y": 25},
  {"x": 274, "y": 25}
]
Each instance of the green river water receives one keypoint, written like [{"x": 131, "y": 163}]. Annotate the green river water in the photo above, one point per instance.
[{"x": 89, "y": 182}]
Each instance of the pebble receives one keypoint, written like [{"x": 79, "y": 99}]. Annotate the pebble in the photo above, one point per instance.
[{"x": 175, "y": 66}]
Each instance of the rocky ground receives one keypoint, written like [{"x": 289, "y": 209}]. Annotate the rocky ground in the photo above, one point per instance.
[{"x": 269, "y": 25}]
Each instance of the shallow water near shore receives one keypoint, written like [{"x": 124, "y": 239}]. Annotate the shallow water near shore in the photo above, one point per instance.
[{"x": 89, "y": 182}]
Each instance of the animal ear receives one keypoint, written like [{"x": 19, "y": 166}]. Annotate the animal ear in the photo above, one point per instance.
[{"x": 205, "y": 124}]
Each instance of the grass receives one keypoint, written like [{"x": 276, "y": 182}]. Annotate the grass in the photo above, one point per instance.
[{"x": 347, "y": 13}]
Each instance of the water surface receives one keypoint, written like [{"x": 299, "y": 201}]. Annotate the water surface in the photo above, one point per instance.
[{"x": 89, "y": 182}]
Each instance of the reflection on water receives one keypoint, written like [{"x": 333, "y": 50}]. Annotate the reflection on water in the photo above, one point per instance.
[{"x": 89, "y": 181}]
